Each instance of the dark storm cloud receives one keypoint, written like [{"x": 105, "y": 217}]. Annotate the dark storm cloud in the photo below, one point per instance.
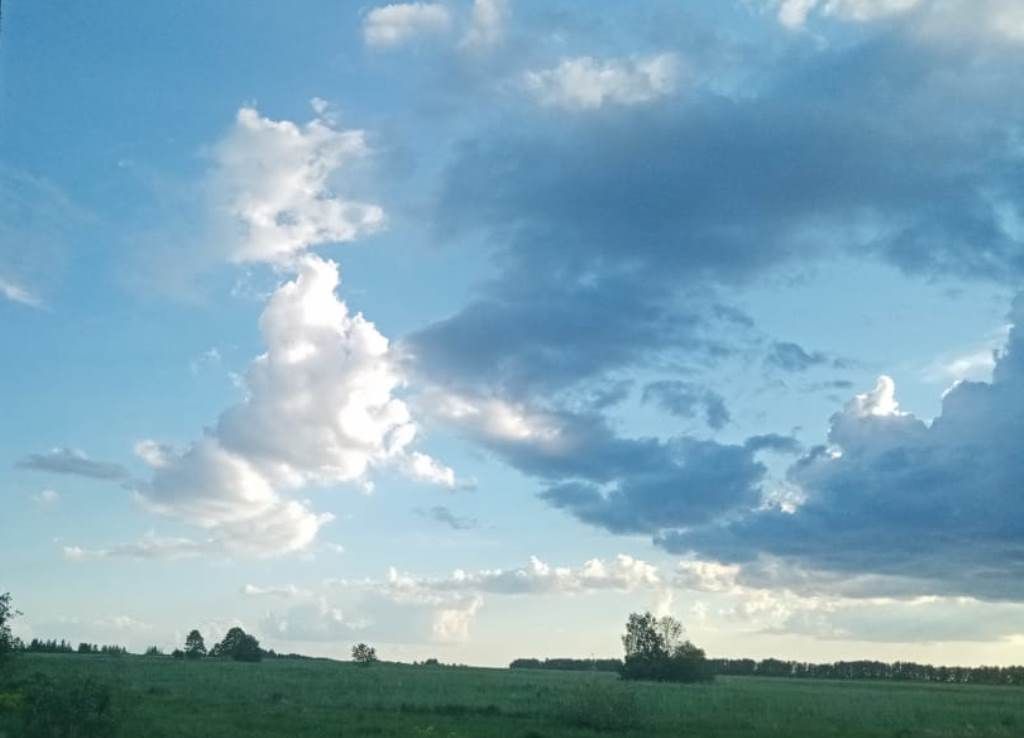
[
  {"x": 892, "y": 495},
  {"x": 620, "y": 237}
]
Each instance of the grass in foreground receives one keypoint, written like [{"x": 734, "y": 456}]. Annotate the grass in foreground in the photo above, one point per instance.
[{"x": 165, "y": 698}]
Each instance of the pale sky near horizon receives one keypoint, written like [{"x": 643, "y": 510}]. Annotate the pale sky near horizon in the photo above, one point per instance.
[{"x": 465, "y": 328}]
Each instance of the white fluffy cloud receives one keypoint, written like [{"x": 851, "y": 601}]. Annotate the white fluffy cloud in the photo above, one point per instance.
[
  {"x": 271, "y": 193},
  {"x": 320, "y": 405},
  {"x": 319, "y": 409},
  {"x": 397, "y": 23},
  {"x": 586, "y": 83}
]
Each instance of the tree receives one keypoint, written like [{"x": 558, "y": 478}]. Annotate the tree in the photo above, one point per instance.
[
  {"x": 363, "y": 654},
  {"x": 238, "y": 645},
  {"x": 7, "y": 613},
  {"x": 654, "y": 651},
  {"x": 195, "y": 647}
]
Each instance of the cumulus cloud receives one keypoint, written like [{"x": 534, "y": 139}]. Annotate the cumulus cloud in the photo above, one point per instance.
[
  {"x": 927, "y": 507},
  {"x": 586, "y": 83},
  {"x": 391, "y": 25},
  {"x": 407, "y": 608},
  {"x": 270, "y": 188},
  {"x": 74, "y": 463},
  {"x": 319, "y": 406}
]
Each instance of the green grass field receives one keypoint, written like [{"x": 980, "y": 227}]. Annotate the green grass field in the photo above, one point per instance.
[{"x": 161, "y": 697}]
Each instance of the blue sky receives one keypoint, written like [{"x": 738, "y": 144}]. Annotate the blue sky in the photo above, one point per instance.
[{"x": 466, "y": 328}]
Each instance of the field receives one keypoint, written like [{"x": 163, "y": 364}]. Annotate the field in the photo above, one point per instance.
[{"x": 162, "y": 697}]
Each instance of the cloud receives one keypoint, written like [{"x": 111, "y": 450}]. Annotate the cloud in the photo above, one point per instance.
[
  {"x": 286, "y": 592},
  {"x": 684, "y": 400},
  {"x": 406, "y": 608},
  {"x": 487, "y": 24},
  {"x": 46, "y": 498},
  {"x": 794, "y": 13},
  {"x": 319, "y": 406},
  {"x": 395, "y": 24},
  {"x": 16, "y": 293},
  {"x": 270, "y": 192},
  {"x": 791, "y": 357},
  {"x": 39, "y": 227},
  {"x": 928, "y": 508},
  {"x": 149, "y": 547},
  {"x": 987, "y": 20},
  {"x": 74, "y": 463},
  {"x": 441, "y": 514},
  {"x": 623, "y": 573},
  {"x": 586, "y": 83}
]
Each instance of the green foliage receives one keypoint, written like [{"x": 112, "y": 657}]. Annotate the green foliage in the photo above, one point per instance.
[
  {"x": 195, "y": 647},
  {"x": 363, "y": 654},
  {"x": 154, "y": 651},
  {"x": 68, "y": 708},
  {"x": 654, "y": 651},
  {"x": 7, "y": 613},
  {"x": 238, "y": 645}
]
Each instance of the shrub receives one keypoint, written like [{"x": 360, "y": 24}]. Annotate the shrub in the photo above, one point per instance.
[{"x": 71, "y": 708}]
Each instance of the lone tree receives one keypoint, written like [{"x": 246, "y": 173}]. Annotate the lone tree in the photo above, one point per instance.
[
  {"x": 7, "y": 613},
  {"x": 363, "y": 654},
  {"x": 195, "y": 647},
  {"x": 655, "y": 651},
  {"x": 238, "y": 645}
]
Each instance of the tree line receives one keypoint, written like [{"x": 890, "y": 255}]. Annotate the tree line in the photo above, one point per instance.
[
  {"x": 560, "y": 664},
  {"x": 900, "y": 671}
]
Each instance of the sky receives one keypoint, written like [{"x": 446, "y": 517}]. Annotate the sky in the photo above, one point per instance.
[{"x": 466, "y": 328}]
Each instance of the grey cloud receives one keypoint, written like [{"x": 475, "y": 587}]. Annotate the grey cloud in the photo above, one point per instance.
[
  {"x": 685, "y": 399},
  {"x": 894, "y": 496},
  {"x": 75, "y": 463},
  {"x": 441, "y": 514}
]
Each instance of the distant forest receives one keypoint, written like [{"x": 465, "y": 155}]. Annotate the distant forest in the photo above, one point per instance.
[{"x": 878, "y": 670}]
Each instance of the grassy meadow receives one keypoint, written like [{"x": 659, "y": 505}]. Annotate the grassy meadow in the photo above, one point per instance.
[{"x": 165, "y": 698}]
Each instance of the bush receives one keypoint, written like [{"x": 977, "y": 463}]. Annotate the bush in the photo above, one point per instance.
[
  {"x": 80, "y": 708},
  {"x": 600, "y": 705}
]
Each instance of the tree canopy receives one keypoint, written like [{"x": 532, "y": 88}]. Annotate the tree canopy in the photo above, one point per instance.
[
  {"x": 195, "y": 647},
  {"x": 238, "y": 645},
  {"x": 655, "y": 651},
  {"x": 363, "y": 654},
  {"x": 7, "y": 613}
]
